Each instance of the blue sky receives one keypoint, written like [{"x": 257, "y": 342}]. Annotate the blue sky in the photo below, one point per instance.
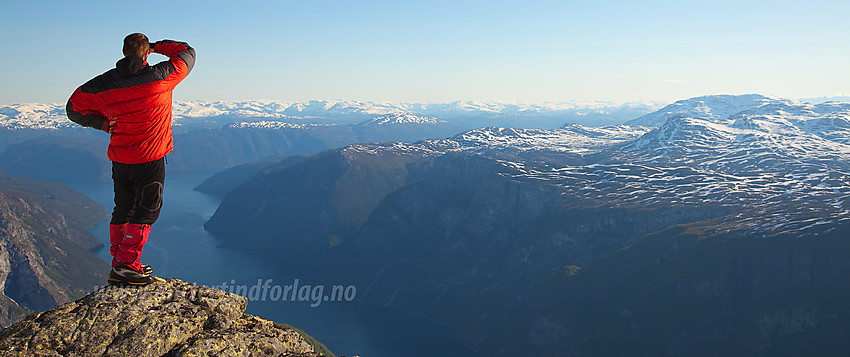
[{"x": 441, "y": 51}]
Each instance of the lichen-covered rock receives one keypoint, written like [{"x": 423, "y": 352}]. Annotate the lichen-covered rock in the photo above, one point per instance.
[{"x": 167, "y": 318}]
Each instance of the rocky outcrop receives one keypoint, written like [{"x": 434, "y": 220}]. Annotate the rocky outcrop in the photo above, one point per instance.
[{"x": 167, "y": 318}]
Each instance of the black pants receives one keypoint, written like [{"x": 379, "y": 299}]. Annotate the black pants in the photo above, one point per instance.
[{"x": 138, "y": 191}]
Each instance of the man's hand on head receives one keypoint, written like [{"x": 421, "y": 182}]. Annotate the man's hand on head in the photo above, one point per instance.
[{"x": 108, "y": 126}]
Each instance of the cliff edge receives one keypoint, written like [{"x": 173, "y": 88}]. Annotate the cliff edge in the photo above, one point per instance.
[{"x": 167, "y": 318}]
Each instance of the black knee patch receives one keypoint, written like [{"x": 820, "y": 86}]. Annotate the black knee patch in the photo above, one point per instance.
[{"x": 151, "y": 196}]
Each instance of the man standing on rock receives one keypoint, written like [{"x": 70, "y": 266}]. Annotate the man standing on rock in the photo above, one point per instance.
[{"x": 132, "y": 102}]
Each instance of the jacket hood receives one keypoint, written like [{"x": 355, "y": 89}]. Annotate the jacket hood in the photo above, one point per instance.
[{"x": 128, "y": 66}]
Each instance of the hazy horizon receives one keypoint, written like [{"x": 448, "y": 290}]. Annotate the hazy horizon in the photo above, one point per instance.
[{"x": 578, "y": 103}]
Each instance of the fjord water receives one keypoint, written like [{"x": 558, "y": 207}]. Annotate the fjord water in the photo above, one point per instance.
[{"x": 179, "y": 247}]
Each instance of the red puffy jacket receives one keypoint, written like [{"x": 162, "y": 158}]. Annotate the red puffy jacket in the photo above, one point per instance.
[{"x": 138, "y": 97}]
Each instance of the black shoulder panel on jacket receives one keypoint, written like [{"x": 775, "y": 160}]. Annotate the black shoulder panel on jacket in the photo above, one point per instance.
[
  {"x": 188, "y": 56},
  {"x": 112, "y": 80}
]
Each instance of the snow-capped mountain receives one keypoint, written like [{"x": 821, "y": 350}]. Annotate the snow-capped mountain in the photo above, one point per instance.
[
  {"x": 706, "y": 107},
  {"x": 34, "y": 116},
  {"x": 791, "y": 129},
  {"x": 402, "y": 118}
]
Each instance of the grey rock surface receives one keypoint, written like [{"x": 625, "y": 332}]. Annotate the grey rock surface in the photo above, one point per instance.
[{"x": 167, "y": 318}]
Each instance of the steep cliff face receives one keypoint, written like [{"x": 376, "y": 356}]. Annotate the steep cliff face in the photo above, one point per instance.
[
  {"x": 686, "y": 291},
  {"x": 463, "y": 230},
  {"x": 45, "y": 256},
  {"x": 167, "y": 318},
  {"x": 331, "y": 197}
]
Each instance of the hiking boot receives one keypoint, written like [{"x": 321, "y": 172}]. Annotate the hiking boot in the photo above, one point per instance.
[
  {"x": 146, "y": 269},
  {"x": 124, "y": 275}
]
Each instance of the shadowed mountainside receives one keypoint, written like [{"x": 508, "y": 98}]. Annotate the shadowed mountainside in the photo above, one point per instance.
[{"x": 45, "y": 246}]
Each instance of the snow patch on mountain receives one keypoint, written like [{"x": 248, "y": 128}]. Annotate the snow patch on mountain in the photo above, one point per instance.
[
  {"x": 830, "y": 121},
  {"x": 273, "y": 125},
  {"x": 571, "y": 138}
]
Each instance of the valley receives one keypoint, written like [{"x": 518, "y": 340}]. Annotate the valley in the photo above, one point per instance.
[{"x": 713, "y": 225}]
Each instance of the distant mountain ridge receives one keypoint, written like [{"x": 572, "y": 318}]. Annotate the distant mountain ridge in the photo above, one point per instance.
[
  {"x": 52, "y": 116},
  {"x": 320, "y": 108}
]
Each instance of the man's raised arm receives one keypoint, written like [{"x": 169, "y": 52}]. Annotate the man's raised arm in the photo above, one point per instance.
[{"x": 180, "y": 54}]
